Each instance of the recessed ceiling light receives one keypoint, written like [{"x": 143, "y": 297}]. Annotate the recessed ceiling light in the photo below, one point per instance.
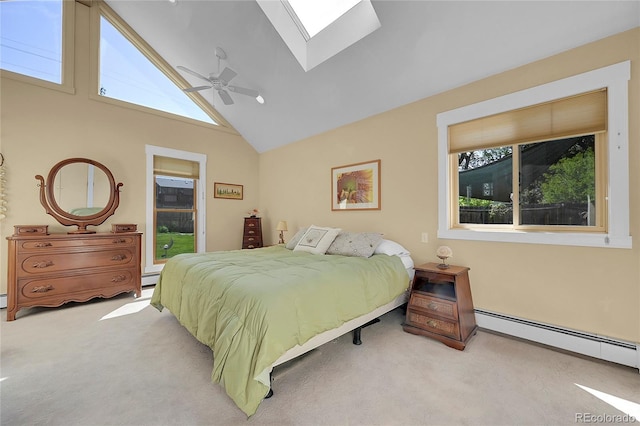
[{"x": 260, "y": 99}]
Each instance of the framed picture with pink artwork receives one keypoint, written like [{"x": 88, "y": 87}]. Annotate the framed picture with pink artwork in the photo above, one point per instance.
[{"x": 356, "y": 186}]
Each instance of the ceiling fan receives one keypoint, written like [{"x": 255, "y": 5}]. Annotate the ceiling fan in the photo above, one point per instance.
[{"x": 220, "y": 82}]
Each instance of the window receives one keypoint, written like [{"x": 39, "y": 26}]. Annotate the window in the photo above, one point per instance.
[
  {"x": 175, "y": 204},
  {"x": 36, "y": 43},
  {"x": 129, "y": 71},
  {"x": 557, "y": 183},
  {"x": 315, "y": 31},
  {"x": 316, "y": 16},
  {"x": 535, "y": 166}
]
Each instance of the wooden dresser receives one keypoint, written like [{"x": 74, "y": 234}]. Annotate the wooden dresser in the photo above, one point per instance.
[
  {"x": 252, "y": 235},
  {"x": 53, "y": 269},
  {"x": 440, "y": 305}
]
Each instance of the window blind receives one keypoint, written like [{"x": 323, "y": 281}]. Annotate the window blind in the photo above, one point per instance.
[
  {"x": 573, "y": 116},
  {"x": 176, "y": 167}
]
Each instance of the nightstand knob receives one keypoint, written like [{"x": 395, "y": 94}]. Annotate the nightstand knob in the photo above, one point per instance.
[
  {"x": 432, "y": 306},
  {"x": 432, "y": 324}
]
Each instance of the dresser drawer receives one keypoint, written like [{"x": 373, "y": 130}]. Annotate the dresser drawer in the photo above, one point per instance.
[
  {"x": 251, "y": 232},
  {"x": 41, "y": 288},
  {"x": 434, "y": 306},
  {"x": 251, "y": 242},
  {"x": 19, "y": 230},
  {"x": 53, "y": 243},
  {"x": 251, "y": 223},
  {"x": 433, "y": 324},
  {"x": 48, "y": 263}
]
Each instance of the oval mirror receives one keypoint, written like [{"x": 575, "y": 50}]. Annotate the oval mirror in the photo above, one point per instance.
[{"x": 79, "y": 192}]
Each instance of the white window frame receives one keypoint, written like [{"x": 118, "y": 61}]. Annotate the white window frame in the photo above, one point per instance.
[
  {"x": 68, "y": 55},
  {"x": 615, "y": 79},
  {"x": 152, "y": 151}
]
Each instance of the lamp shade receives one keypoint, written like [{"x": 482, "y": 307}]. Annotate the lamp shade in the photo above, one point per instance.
[{"x": 282, "y": 226}]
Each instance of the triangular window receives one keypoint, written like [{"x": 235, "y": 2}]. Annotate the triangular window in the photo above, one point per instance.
[{"x": 128, "y": 75}]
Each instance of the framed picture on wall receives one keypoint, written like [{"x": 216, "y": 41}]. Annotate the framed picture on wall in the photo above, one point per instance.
[
  {"x": 356, "y": 186},
  {"x": 229, "y": 191}
]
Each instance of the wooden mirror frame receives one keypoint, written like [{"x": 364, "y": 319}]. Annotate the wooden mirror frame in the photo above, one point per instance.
[{"x": 51, "y": 207}]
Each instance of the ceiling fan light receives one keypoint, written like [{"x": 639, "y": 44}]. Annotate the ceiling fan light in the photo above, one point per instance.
[{"x": 260, "y": 99}]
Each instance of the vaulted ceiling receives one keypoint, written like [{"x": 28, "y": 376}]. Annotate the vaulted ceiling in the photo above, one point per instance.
[{"x": 422, "y": 48}]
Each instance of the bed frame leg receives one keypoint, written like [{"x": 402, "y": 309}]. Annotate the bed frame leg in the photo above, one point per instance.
[
  {"x": 358, "y": 331},
  {"x": 270, "y": 393},
  {"x": 356, "y": 336}
]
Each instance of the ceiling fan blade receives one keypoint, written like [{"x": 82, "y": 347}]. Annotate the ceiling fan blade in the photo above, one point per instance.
[
  {"x": 187, "y": 70},
  {"x": 195, "y": 89},
  {"x": 244, "y": 91},
  {"x": 225, "y": 97},
  {"x": 227, "y": 75}
]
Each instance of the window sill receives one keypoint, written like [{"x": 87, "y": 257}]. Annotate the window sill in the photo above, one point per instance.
[{"x": 563, "y": 239}]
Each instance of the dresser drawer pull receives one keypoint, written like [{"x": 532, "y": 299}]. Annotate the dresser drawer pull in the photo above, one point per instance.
[
  {"x": 432, "y": 324},
  {"x": 43, "y": 264},
  {"x": 42, "y": 289},
  {"x": 251, "y": 224},
  {"x": 119, "y": 241},
  {"x": 251, "y": 232},
  {"x": 118, "y": 278},
  {"x": 43, "y": 245},
  {"x": 30, "y": 230},
  {"x": 251, "y": 246},
  {"x": 119, "y": 257},
  {"x": 432, "y": 306}
]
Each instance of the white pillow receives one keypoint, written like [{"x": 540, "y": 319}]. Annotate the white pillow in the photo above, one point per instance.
[
  {"x": 317, "y": 239},
  {"x": 391, "y": 248},
  {"x": 293, "y": 242}
]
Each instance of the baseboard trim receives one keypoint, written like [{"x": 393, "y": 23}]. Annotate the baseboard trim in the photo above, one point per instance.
[
  {"x": 150, "y": 279},
  {"x": 601, "y": 347}
]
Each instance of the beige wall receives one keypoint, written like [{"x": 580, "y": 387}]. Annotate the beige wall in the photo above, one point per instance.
[
  {"x": 590, "y": 289},
  {"x": 40, "y": 127}
]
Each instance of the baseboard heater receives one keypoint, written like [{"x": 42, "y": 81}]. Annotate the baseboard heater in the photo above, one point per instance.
[{"x": 593, "y": 345}]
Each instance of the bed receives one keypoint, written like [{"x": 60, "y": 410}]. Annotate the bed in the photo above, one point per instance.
[{"x": 259, "y": 308}]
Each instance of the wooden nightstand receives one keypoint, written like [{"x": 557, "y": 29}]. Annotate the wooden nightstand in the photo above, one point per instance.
[
  {"x": 252, "y": 235},
  {"x": 440, "y": 305}
]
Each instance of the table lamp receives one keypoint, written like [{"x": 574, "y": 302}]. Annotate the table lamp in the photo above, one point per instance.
[{"x": 282, "y": 226}]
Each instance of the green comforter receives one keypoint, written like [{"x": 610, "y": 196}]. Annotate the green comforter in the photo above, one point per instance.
[{"x": 251, "y": 306}]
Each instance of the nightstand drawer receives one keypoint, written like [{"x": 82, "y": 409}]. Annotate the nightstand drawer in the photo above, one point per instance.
[
  {"x": 434, "y": 324},
  {"x": 434, "y": 306}
]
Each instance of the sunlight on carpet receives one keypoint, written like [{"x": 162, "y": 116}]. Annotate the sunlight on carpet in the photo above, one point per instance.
[
  {"x": 133, "y": 307},
  {"x": 630, "y": 408}
]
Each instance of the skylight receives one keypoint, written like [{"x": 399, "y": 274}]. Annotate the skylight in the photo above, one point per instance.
[
  {"x": 316, "y": 15},
  {"x": 316, "y": 30}
]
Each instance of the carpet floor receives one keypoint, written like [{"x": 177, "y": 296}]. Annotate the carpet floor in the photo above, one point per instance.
[{"x": 121, "y": 362}]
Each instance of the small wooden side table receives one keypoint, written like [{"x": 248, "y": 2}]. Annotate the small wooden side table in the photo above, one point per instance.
[{"x": 441, "y": 306}]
